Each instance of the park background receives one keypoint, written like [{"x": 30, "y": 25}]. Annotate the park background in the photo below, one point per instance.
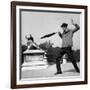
[{"x": 39, "y": 23}]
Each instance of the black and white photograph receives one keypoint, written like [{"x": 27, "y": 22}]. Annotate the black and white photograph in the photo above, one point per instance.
[{"x": 49, "y": 44}]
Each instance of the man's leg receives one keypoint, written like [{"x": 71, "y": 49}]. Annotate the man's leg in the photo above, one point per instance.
[
  {"x": 75, "y": 66},
  {"x": 70, "y": 55},
  {"x": 58, "y": 64}
]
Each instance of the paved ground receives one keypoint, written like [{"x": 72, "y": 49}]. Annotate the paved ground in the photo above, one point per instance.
[{"x": 68, "y": 70}]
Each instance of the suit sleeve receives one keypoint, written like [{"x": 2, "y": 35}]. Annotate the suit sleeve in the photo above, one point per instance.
[{"x": 77, "y": 27}]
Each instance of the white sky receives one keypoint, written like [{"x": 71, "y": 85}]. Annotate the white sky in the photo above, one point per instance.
[{"x": 42, "y": 23}]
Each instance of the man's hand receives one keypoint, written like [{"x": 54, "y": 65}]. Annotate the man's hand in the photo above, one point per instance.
[
  {"x": 77, "y": 27},
  {"x": 72, "y": 22},
  {"x": 59, "y": 34}
]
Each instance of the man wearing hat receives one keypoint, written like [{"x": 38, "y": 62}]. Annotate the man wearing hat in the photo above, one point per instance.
[{"x": 67, "y": 44}]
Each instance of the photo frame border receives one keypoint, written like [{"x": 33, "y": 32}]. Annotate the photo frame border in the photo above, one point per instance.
[{"x": 13, "y": 44}]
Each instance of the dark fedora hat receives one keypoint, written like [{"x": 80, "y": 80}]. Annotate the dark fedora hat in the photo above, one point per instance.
[{"x": 64, "y": 25}]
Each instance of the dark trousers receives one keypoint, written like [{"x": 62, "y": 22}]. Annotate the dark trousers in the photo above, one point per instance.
[{"x": 68, "y": 51}]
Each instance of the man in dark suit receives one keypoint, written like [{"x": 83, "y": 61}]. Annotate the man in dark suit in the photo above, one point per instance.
[{"x": 67, "y": 44}]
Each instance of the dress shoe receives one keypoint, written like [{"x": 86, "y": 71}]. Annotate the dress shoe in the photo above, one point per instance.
[{"x": 58, "y": 73}]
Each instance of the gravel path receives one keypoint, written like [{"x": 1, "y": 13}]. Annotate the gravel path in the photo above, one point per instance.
[{"x": 68, "y": 70}]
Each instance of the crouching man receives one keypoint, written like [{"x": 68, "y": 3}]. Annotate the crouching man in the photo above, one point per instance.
[{"x": 31, "y": 45}]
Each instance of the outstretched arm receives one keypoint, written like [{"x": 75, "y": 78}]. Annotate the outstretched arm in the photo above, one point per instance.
[{"x": 77, "y": 27}]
